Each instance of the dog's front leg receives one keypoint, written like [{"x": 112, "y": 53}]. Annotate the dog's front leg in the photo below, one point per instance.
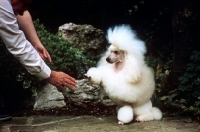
[{"x": 125, "y": 114}]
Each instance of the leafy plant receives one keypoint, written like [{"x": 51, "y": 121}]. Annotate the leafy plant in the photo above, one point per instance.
[
  {"x": 161, "y": 65},
  {"x": 12, "y": 70},
  {"x": 65, "y": 57},
  {"x": 186, "y": 98}
]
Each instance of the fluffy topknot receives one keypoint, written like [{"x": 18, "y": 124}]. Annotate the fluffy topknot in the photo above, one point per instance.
[{"x": 124, "y": 38}]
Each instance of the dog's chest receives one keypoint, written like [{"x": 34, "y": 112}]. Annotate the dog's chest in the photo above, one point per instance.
[{"x": 117, "y": 89}]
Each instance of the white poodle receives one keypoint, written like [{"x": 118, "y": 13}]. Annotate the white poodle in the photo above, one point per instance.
[{"x": 127, "y": 80}]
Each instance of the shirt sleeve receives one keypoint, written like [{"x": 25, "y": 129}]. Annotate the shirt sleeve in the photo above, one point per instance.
[{"x": 19, "y": 46}]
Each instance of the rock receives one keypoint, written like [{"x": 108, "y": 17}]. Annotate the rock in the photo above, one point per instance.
[
  {"x": 88, "y": 93},
  {"x": 49, "y": 97},
  {"x": 84, "y": 37},
  {"x": 91, "y": 41}
]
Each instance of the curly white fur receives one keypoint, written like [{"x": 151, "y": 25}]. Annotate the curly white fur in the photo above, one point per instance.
[
  {"x": 127, "y": 80},
  {"x": 125, "y": 114}
]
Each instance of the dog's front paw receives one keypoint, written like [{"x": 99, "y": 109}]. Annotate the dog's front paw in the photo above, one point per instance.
[{"x": 94, "y": 75}]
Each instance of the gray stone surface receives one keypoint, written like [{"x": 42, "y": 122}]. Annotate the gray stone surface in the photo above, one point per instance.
[
  {"x": 84, "y": 37},
  {"x": 93, "y": 124},
  {"x": 89, "y": 40},
  {"x": 88, "y": 93},
  {"x": 49, "y": 97}
]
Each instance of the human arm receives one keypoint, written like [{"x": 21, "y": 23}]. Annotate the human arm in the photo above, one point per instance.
[
  {"x": 20, "y": 47},
  {"x": 26, "y": 24}
]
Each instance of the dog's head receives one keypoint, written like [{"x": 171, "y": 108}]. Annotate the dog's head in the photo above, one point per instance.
[{"x": 115, "y": 55}]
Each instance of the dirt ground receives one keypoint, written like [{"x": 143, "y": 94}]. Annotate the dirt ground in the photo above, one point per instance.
[{"x": 93, "y": 124}]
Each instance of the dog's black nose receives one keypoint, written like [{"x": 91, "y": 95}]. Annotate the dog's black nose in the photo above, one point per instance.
[{"x": 108, "y": 59}]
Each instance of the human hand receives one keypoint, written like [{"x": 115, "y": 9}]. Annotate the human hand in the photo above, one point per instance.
[
  {"x": 60, "y": 79},
  {"x": 44, "y": 54}
]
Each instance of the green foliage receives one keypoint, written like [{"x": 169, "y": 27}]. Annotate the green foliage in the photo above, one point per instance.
[
  {"x": 186, "y": 98},
  {"x": 135, "y": 7},
  {"x": 161, "y": 64},
  {"x": 190, "y": 85},
  {"x": 183, "y": 100},
  {"x": 11, "y": 70},
  {"x": 65, "y": 58}
]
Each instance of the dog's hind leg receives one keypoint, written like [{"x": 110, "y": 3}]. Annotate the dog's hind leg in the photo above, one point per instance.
[
  {"x": 154, "y": 114},
  {"x": 146, "y": 112}
]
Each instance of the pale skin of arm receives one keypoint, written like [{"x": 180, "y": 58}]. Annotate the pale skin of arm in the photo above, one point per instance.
[
  {"x": 58, "y": 79},
  {"x": 26, "y": 24}
]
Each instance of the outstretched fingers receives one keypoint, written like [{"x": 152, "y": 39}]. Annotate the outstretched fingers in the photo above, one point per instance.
[
  {"x": 61, "y": 88},
  {"x": 60, "y": 80},
  {"x": 70, "y": 82}
]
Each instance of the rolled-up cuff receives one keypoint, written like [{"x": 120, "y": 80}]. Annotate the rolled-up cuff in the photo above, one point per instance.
[{"x": 45, "y": 73}]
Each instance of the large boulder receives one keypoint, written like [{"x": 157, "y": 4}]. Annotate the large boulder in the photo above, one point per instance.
[
  {"x": 49, "y": 97},
  {"x": 88, "y": 93},
  {"x": 84, "y": 37},
  {"x": 91, "y": 41}
]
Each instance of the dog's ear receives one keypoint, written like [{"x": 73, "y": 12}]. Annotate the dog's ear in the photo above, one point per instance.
[{"x": 133, "y": 73}]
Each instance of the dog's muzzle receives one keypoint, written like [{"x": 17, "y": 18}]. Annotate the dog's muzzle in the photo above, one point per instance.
[
  {"x": 111, "y": 61},
  {"x": 108, "y": 60}
]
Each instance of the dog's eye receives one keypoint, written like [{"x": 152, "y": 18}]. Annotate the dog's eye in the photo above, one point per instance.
[{"x": 116, "y": 52}]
